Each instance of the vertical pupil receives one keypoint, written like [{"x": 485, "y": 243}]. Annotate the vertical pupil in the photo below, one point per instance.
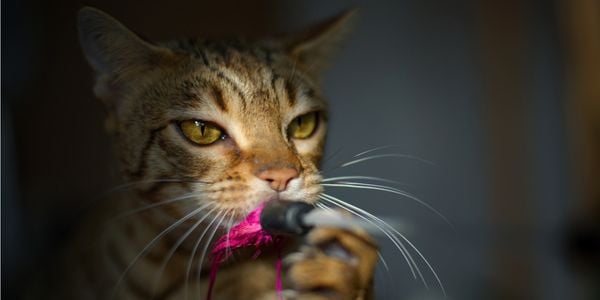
[
  {"x": 300, "y": 122},
  {"x": 202, "y": 128}
]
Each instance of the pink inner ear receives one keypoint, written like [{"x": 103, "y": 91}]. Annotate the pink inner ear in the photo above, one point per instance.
[{"x": 247, "y": 233}]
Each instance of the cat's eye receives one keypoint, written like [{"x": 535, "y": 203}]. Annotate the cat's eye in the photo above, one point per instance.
[
  {"x": 200, "y": 132},
  {"x": 303, "y": 126}
]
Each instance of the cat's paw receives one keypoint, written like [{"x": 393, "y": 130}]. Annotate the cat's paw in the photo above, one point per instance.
[{"x": 332, "y": 264}]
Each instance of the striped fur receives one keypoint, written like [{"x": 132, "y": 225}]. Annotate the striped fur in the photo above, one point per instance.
[{"x": 251, "y": 89}]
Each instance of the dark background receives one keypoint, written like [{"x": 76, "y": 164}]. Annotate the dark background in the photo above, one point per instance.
[{"x": 492, "y": 93}]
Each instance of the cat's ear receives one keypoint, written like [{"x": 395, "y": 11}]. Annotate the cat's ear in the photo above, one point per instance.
[
  {"x": 113, "y": 50},
  {"x": 313, "y": 48}
]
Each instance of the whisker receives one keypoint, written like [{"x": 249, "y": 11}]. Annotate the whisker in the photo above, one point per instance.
[
  {"x": 376, "y": 149},
  {"x": 176, "y": 246},
  {"x": 328, "y": 159},
  {"x": 383, "y": 188},
  {"x": 229, "y": 225},
  {"x": 96, "y": 200},
  {"x": 323, "y": 206},
  {"x": 363, "y": 159},
  {"x": 338, "y": 178},
  {"x": 151, "y": 244},
  {"x": 437, "y": 278},
  {"x": 293, "y": 72},
  {"x": 127, "y": 185},
  {"x": 400, "y": 235},
  {"x": 399, "y": 245},
  {"x": 387, "y": 275},
  {"x": 140, "y": 182},
  {"x": 193, "y": 253},
  {"x": 385, "y": 265},
  {"x": 153, "y": 205},
  {"x": 205, "y": 249}
]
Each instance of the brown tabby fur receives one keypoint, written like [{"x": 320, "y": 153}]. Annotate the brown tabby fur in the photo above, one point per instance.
[{"x": 253, "y": 90}]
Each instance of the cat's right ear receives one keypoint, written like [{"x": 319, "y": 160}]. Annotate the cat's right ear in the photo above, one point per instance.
[
  {"x": 313, "y": 47},
  {"x": 115, "y": 53}
]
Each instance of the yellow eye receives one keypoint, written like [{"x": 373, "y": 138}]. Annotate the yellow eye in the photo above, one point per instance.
[
  {"x": 200, "y": 132},
  {"x": 303, "y": 126}
]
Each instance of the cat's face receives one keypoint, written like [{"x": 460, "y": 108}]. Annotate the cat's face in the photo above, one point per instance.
[
  {"x": 246, "y": 108},
  {"x": 232, "y": 124}
]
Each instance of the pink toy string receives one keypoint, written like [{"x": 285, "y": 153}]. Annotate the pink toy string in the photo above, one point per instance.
[{"x": 247, "y": 233}]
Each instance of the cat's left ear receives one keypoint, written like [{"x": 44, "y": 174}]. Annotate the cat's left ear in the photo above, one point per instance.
[{"x": 313, "y": 48}]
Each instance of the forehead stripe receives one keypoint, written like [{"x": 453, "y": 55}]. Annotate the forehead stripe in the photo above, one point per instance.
[
  {"x": 142, "y": 161},
  {"x": 217, "y": 94},
  {"x": 290, "y": 90},
  {"x": 232, "y": 84},
  {"x": 204, "y": 58}
]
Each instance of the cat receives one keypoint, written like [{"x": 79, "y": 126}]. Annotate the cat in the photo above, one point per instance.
[{"x": 206, "y": 130}]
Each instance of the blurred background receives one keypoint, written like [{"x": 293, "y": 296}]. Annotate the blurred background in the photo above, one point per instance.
[{"x": 503, "y": 97}]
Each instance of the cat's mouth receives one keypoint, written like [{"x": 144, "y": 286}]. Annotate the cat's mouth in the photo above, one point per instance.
[
  {"x": 237, "y": 204},
  {"x": 268, "y": 199}
]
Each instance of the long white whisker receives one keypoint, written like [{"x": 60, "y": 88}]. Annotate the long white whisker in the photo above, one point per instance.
[
  {"x": 405, "y": 253},
  {"x": 338, "y": 178},
  {"x": 323, "y": 206},
  {"x": 328, "y": 159},
  {"x": 151, "y": 244},
  {"x": 377, "y": 149},
  {"x": 229, "y": 225},
  {"x": 153, "y": 205},
  {"x": 385, "y": 265},
  {"x": 363, "y": 159},
  {"x": 437, "y": 278},
  {"x": 208, "y": 242},
  {"x": 293, "y": 72},
  {"x": 193, "y": 253},
  {"x": 385, "y": 275},
  {"x": 383, "y": 188},
  {"x": 146, "y": 181},
  {"x": 94, "y": 200},
  {"x": 401, "y": 236},
  {"x": 139, "y": 182},
  {"x": 176, "y": 246}
]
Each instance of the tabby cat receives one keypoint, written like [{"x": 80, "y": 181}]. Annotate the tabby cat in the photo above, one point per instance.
[{"x": 205, "y": 131}]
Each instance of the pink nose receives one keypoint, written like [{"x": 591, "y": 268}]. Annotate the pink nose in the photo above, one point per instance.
[{"x": 278, "y": 179}]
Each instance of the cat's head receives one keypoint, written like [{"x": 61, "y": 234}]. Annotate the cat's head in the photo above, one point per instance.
[{"x": 233, "y": 122}]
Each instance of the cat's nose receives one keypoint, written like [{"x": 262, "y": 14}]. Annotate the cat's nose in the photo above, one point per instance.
[{"x": 278, "y": 179}]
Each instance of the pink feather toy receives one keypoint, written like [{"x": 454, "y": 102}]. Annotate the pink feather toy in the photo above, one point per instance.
[{"x": 248, "y": 233}]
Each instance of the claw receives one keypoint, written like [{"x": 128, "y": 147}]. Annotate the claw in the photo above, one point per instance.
[
  {"x": 293, "y": 258},
  {"x": 289, "y": 294},
  {"x": 336, "y": 250}
]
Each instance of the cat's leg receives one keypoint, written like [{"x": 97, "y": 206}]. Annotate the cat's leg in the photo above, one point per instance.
[
  {"x": 244, "y": 278},
  {"x": 330, "y": 264},
  {"x": 333, "y": 264}
]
